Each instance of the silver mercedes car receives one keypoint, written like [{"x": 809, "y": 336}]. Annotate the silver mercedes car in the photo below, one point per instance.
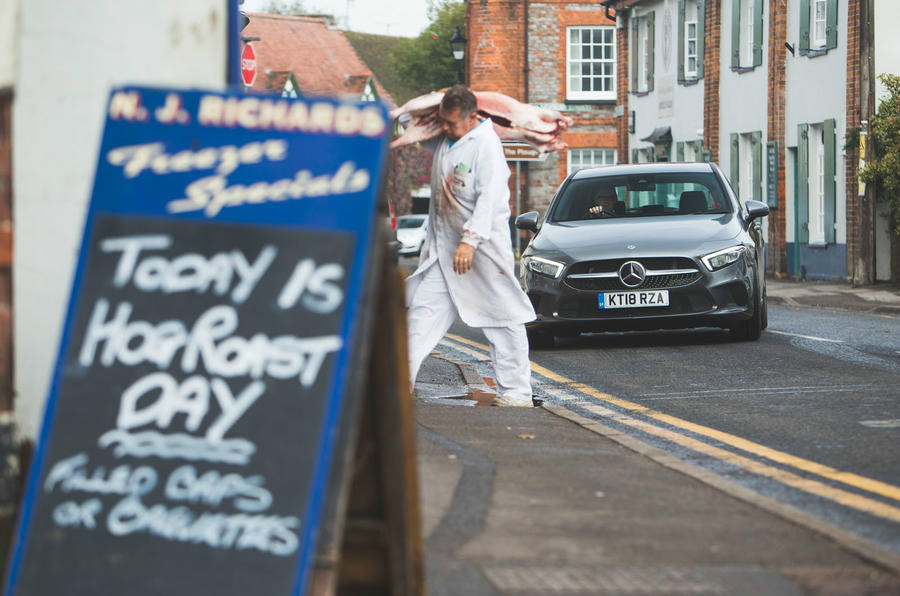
[{"x": 649, "y": 246}]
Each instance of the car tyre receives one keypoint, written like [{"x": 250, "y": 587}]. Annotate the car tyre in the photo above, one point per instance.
[
  {"x": 540, "y": 340},
  {"x": 751, "y": 329}
]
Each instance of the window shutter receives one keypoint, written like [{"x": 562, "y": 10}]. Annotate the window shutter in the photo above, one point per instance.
[
  {"x": 758, "y": 8},
  {"x": 735, "y": 33},
  {"x": 830, "y": 182},
  {"x": 735, "y": 163},
  {"x": 804, "y": 27},
  {"x": 635, "y": 53},
  {"x": 679, "y": 151},
  {"x": 831, "y": 24},
  {"x": 756, "y": 148},
  {"x": 701, "y": 36},
  {"x": 681, "y": 37},
  {"x": 803, "y": 182},
  {"x": 634, "y": 156},
  {"x": 651, "y": 34}
]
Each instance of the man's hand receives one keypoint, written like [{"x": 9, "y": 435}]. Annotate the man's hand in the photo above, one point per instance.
[{"x": 462, "y": 260}]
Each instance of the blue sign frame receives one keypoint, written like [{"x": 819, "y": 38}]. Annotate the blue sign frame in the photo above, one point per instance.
[{"x": 239, "y": 162}]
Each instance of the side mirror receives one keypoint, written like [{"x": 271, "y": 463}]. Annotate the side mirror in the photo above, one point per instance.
[
  {"x": 755, "y": 210},
  {"x": 528, "y": 221}
]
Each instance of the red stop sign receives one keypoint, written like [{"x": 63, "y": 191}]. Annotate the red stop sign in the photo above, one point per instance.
[{"x": 248, "y": 65}]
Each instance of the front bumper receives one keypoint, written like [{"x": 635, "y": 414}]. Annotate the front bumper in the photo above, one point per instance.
[{"x": 721, "y": 298}]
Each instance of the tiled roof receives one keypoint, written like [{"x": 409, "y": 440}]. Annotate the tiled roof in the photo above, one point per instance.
[{"x": 321, "y": 59}]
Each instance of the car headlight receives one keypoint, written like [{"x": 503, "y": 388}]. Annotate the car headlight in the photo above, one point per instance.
[
  {"x": 722, "y": 258},
  {"x": 543, "y": 266}
]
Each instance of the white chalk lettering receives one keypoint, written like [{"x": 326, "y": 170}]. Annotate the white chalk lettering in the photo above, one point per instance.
[
  {"x": 210, "y": 341},
  {"x": 135, "y": 159},
  {"x": 151, "y": 443},
  {"x": 212, "y": 194},
  {"x": 72, "y": 474},
  {"x": 213, "y": 488},
  {"x": 71, "y": 513},
  {"x": 163, "y": 398},
  {"x": 266, "y": 533},
  {"x": 315, "y": 285},
  {"x": 187, "y": 272}
]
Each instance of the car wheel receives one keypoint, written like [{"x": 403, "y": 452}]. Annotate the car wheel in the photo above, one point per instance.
[
  {"x": 751, "y": 329},
  {"x": 540, "y": 340}
]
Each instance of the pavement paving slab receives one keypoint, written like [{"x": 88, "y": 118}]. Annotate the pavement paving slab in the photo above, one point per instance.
[{"x": 522, "y": 501}]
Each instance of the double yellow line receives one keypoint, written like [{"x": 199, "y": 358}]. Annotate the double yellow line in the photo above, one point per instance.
[{"x": 815, "y": 487}]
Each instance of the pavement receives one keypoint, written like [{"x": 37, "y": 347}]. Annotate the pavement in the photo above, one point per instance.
[{"x": 537, "y": 501}]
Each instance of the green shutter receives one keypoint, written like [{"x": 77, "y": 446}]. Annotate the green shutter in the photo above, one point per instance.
[
  {"x": 804, "y": 27},
  {"x": 679, "y": 151},
  {"x": 830, "y": 182},
  {"x": 758, "y": 8},
  {"x": 756, "y": 148},
  {"x": 651, "y": 34},
  {"x": 634, "y": 156},
  {"x": 735, "y": 33},
  {"x": 635, "y": 53},
  {"x": 735, "y": 162},
  {"x": 681, "y": 38},
  {"x": 831, "y": 24},
  {"x": 701, "y": 36},
  {"x": 802, "y": 182}
]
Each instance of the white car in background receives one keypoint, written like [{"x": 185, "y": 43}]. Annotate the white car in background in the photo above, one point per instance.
[{"x": 411, "y": 231}]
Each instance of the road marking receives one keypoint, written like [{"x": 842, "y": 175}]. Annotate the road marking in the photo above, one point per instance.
[
  {"x": 815, "y": 487},
  {"x": 881, "y": 423},
  {"x": 765, "y": 390},
  {"x": 812, "y": 337},
  {"x": 848, "y": 478}
]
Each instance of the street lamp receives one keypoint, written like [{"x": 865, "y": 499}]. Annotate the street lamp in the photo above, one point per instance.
[{"x": 458, "y": 45}]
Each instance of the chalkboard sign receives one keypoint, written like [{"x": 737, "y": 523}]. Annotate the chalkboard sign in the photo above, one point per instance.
[{"x": 208, "y": 347}]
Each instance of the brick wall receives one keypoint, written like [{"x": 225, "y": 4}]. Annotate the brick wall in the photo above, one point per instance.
[
  {"x": 497, "y": 61},
  {"x": 776, "y": 118},
  {"x": 6, "y": 401},
  {"x": 712, "y": 73},
  {"x": 859, "y": 226},
  {"x": 622, "y": 81}
]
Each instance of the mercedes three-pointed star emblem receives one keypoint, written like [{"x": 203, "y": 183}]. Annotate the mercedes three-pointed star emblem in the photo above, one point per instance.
[{"x": 632, "y": 274}]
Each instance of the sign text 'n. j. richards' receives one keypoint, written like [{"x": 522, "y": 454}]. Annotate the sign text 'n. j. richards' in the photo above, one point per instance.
[{"x": 211, "y": 194}]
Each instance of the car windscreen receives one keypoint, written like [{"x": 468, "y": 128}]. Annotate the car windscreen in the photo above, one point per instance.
[
  {"x": 640, "y": 195},
  {"x": 405, "y": 223}
]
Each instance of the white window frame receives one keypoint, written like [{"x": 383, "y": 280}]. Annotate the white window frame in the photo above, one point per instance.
[
  {"x": 745, "y": 158},
  {"x": 289, "y": 90},
  {"x": 690, "y": 20},
  {"x": 597, "y": 157},
  {"x": 746, "y": 32},
  {"x": 607, "y": 65},
  {"x": 691, "y": 151},
  {"x": 644, "y": 72},
  {"x": 368, "y": 93},
  {"x": 815, "y": 41},
  {"x": 816, "y": 184}
]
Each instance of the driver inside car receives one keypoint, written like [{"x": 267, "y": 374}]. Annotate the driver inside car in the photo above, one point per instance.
[{"x": 604, "y": 203}]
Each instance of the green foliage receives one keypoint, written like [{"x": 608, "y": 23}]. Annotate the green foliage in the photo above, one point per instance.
[
  {"x": 883, "y": 160},
  {"x": 426, "y": 61}
]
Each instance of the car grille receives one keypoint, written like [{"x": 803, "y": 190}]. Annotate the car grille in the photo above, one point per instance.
[
  {"x": 662, "y": 273},
  {"x": 585, "y": 307}
]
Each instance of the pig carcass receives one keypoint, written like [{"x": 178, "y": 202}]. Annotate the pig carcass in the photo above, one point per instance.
[{"x": 512, "y": 119}]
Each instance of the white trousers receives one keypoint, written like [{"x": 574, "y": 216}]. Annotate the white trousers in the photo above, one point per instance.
[{"x": 432, "y": 312}]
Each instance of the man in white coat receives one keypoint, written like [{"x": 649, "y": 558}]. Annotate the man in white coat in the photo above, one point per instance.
[{"x": 466, "y": 269}]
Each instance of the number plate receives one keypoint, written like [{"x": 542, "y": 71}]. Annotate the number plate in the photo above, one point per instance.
[{"x": 633, "y": 299}]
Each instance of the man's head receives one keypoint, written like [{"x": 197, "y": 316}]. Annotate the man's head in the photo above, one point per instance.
[
  {"x": 457, "y": 112},
  {"x": 606, "y": 199}
]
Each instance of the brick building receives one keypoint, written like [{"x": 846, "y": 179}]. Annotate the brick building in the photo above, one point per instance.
[
  {"x": 771, "y": 90},
  {"x": 557, "y": 54}
]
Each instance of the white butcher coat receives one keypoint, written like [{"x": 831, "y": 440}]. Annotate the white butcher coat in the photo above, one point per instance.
[{"x": 470, "y": 202}]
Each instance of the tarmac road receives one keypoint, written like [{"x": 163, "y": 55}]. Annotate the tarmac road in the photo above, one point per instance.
[{"x": 809, "y": 415}]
